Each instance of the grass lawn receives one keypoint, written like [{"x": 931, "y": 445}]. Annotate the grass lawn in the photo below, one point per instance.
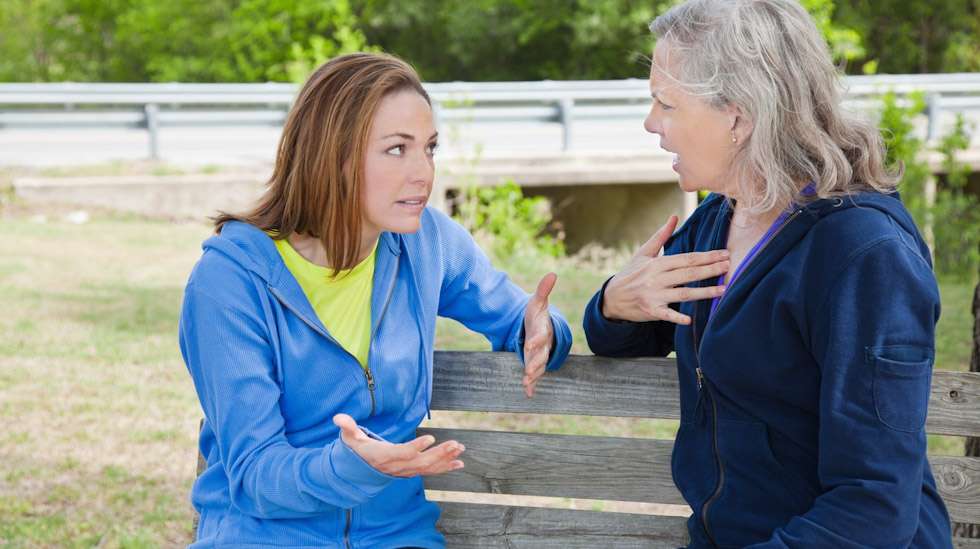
[{"x": 98, "y": 445}]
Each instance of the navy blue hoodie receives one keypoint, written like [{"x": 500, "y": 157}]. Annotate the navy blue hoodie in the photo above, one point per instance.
[{"x": 803, "y": 399}]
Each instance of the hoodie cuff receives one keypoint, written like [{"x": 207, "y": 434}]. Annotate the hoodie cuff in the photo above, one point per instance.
[{"x": 344, "y": 469}]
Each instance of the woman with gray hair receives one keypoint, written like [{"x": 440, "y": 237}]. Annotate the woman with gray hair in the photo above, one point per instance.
[{"x": 799, "y": 296}]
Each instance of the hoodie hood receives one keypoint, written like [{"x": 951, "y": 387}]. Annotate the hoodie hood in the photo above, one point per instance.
[{"x": 888, "y": 204}]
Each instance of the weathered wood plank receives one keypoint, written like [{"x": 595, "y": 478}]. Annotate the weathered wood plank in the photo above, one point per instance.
[
  {"x": 622, "y": 469},
  {"x": 476, "y": 526},
  {"x": 958, "y": 481},
  {"x": 599, "y": 386},
  {"x": 965, "y": 543},
  {"x": 954, "y": 404},
  {"x": 586, "y": 385}
]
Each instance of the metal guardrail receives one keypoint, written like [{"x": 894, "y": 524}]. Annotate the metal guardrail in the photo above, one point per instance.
[{"x": 156, "y": 106}]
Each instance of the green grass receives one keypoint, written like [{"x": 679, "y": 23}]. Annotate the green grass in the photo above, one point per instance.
[{"x": 100, "y": 417}]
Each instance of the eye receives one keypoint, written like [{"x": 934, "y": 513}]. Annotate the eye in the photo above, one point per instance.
[
  {"x": 430, "y": 149},
  {"x": 663, "y": 105},
  {"x": 397, "y": 150}
]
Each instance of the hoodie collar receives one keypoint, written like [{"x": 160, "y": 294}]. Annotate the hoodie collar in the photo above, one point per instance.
[{"x": 255, "y": 251}]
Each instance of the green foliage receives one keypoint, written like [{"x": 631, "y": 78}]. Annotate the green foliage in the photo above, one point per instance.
[
  {"x": 845, "y": 43},
  {"x": 512, "y": 223},
  {"x": 283, "y": 39},
  {"x": 916, "y": 36},
  {"x": 180, "y": 40},
  {"x": 958, "y": 235},
  {"x": 476, "y": 40},
  {"x": 904, "y": 150},
  {"x": 545, "y": 39},
  {"x": 485, "y": 40}
]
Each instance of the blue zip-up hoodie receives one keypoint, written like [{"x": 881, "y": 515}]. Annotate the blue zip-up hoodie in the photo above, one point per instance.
[
  {"x": 270, "y": 379},
  {"x": 803, "y": 399}
]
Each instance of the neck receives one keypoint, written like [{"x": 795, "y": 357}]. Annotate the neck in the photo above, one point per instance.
[
  {"x": 743, "y": 217},
  {"x": 313, "y": 251}
]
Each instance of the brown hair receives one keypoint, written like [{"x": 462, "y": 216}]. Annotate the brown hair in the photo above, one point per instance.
[{"x": 314, "y": 188}]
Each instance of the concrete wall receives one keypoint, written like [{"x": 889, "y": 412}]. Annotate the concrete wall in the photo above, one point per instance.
[{"x": 612, "y": 215}]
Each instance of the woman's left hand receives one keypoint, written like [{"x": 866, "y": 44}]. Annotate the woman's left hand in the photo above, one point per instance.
[{"x": 539, "y": 335}]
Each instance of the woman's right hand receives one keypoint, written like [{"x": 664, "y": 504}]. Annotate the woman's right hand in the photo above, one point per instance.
[
  {"x": 407, "y": 459},
  {"x": 643, "y": 290}
]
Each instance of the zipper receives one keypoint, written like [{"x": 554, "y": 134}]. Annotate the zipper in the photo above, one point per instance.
[
  {"x": 721, "y": 463},
  {"x": 370, "y": 384},
  {"x": 347, "y": 529},
  {"x": 704, "y": 391},
  {"x": 368, "y": 375}
]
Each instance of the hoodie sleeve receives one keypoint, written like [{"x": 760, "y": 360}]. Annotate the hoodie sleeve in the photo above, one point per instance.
[
  {"x": 230, "y": 358},
  {"x": 486, "y": 300},
  {"x": 873, "y": 338}
]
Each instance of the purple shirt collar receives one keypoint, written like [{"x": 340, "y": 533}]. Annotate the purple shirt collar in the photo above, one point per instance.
[{"x": 809, "y": 190}]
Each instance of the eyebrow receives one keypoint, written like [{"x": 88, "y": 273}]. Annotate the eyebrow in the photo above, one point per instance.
[
  {"x": 654, "y": 94},
  {"x": 409, "y": 137}
]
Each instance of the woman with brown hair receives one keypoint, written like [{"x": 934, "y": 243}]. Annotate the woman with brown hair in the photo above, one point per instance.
[{"x": 308, "y": 326}]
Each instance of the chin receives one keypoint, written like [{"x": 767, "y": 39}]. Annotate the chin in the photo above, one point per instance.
[
  {"x": 403, "y": 226},
  {"x": 687, "y": 185}
]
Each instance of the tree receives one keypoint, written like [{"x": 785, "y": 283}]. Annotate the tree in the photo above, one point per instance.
[
  {"x": 916, "y": 37},
  {"x": 178, "y": 40},
  {"x": 484, "y": 40},
  {"x": 481, "y": 40}
]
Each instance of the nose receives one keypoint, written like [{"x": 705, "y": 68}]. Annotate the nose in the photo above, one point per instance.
[
  {"x": 423, "y": 170},
  {"x": 652, "y": 122}
]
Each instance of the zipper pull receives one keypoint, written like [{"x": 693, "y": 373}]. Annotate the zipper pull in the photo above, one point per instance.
[
  {"x": 370, "y": 379},
  {"x": 700, "y": 377}
]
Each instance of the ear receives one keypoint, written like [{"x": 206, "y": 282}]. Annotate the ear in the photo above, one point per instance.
[{"x": 739, "y": 122}]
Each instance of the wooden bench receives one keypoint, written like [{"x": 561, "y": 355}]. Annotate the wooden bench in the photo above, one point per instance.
[
  {"x": 608, "y": 468},
  {"x": 612, "y": 468}
]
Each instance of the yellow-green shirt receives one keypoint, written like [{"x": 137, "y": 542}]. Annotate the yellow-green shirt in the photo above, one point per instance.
[{"x": 343, "y": 304}]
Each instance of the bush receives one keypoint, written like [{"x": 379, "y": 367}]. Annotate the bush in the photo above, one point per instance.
[
  {"x": 905, "y": 149},
  {"x": 511, "y": 223},
  {"x": 958, "y": 235},
  {"x": 956, "y": 238}
]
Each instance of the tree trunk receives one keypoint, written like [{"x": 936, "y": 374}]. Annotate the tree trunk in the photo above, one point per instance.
[{"x": 963, "y": 529}]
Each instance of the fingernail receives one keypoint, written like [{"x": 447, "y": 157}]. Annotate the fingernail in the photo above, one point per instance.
[{"x": 725, "y": 253}]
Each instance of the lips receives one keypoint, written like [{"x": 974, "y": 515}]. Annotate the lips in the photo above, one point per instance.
[{"x": 413, "y": 201}]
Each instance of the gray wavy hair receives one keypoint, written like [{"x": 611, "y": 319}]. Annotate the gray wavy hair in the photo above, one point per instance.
[{"x": 767, "y": 58}]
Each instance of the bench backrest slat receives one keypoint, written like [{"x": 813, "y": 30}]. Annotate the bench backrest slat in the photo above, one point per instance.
[
  {"x": 622, "y": 469},
  {"x": 598, "y": 386}
]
